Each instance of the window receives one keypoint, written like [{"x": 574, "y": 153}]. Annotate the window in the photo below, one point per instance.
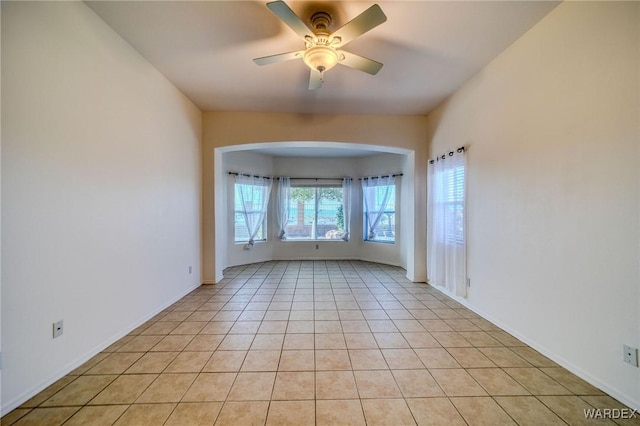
[
  {"x": 446, "y": 249},
  {"x": 315, "y": 213},
  {"x": 379, "y": 201},
  {"x": 251, "y": 197}
]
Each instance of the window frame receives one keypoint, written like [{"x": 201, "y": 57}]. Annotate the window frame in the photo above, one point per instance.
[
  {"x": 263, "y": 226},
  {"x": 316, "y": 188}
]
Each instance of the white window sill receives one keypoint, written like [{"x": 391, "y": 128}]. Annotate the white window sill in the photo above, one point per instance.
[
  {"x": 300, "y": 240},
  {"x": 238, "y": 243}
]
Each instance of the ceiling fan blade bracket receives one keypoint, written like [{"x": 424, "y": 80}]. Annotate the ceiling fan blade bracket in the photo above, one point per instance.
[{"x": 309, "y": 41}]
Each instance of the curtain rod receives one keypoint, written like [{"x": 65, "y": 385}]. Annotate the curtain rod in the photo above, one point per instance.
[
  {"x": 443, "y": 156},
  {"x": 315, "y": 178},
  {"x": 383, "y": 176},
  {"x": 293, "y": 178},
  {"x": 244, "y": 174}
]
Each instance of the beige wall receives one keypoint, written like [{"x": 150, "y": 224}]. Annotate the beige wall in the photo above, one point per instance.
[
  {"x": 222, "y": 130},
  {"x": 100, "y": 191},
  {"x": 553, "y": 127}
]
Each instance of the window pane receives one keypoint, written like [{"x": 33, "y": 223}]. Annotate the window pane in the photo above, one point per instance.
[
  {"x": 451, "y": 199},
  {"x": 240, "y": 230},
  {"x": 302, "y": 213},
  {"x": 253, "y": 196},
  {"x": 385, "y": 229},
  {"x": 330, "y": 218},
  {"x": 309, "y": 213},
  {"x": 315, "y": 213}
]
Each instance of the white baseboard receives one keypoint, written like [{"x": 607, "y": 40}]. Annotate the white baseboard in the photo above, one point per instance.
[
  {"x": 624, "y": 399},
  {"x": 382, "y": 262},
  {"x": 7, "y": 406},
  {"x": 308, "y": 258}
]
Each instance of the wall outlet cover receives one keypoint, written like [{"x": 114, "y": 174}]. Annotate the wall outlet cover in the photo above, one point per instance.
[
  {"x": 57, "y": 329},
  {"x": 630, "y": 355}
]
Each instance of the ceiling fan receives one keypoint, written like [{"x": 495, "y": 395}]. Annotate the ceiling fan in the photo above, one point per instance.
[{"x": 323, "y": 49}]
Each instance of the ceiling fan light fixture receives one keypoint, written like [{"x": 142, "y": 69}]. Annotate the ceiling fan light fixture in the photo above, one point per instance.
[{"x": 321, "y": 58}]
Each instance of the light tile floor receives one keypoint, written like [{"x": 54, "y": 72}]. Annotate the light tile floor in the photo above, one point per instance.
[{"x": 315, "y": 343}]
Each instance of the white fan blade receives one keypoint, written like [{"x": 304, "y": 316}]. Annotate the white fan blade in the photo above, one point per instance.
[
  {"x": 359, "y": 25},
  {"x": 266, "y": 60},
  {"x": 360, "y": 63},
  {"x": 287, "y": 16},
  {"x": 315, "y": 80}
]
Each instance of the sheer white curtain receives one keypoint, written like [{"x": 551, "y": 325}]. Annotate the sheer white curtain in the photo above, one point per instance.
[
  {"x": 254, "y": 194},
  {"x": 346, "y": 207},
  {"x": 446, "y": 239},
  {"x": 282, "y": 205},
  {"x": 375, "y": 192}
]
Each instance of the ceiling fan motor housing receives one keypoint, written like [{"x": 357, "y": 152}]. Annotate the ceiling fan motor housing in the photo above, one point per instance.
[
  {"x": 321, "y": 21},
  {"x": 321, "y": 54}
]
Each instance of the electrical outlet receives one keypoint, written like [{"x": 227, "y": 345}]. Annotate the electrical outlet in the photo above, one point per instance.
[
  {"x": 57, "y": 329},
  {"x": 317, "y": 246},
  {"x": 630, "y": 355},
  {"x": 190, "y": 269}
]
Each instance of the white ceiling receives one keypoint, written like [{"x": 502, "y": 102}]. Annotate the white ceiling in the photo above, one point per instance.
[{"x": 429, "y": 48}]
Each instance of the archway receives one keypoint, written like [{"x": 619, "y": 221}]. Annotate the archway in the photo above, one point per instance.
[{"x": 407, "y": 241}]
